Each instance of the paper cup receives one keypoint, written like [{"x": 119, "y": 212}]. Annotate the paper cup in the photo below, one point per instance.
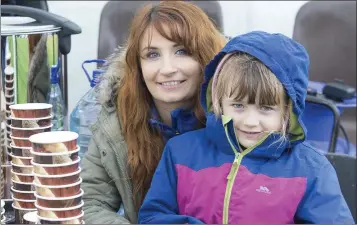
[
  {"x": 21, "y": 151},
  {"x": 9, "y": 73},
  {"x": 9, "y": 98},
  {"x": 24, "y": 204},
  {"x": 31, "y": 218},
  {"x": 18, "y": 177},
  {"x": 27, "y": 132},
  {"x": 59, "y": 202},
  {"x": 56, "y": 169},
  {"x": 20, "y": 142},
  {"x": 7, "y": 113},
  {"x": 9, "y": 83},
  {"x": 54, "y": 142},
  {"x": 31, "y": 110},
  {"x": 8, "y": 124},
  {"x": 73, "y": 220},
  {"x": 21, "y": 160},
  {"x": 28, "y": 169},
  {"x": 61, "y": 179},
  {"x": 59, "y": 191},
  {"x": 22, "y": 186},
  {"x": 31, "y": 122},
  {"x": 23, "y": 195},
  {"x": 55, "y": 158},
  {"x": 20, "y": 212},
  {"x": 8, "y": 105},
  {"x": 56, "y": 213},
  {"x": 9, "y": 91}
]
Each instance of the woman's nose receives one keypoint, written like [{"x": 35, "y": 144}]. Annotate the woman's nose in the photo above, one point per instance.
[{"x": 168, "y": 67}]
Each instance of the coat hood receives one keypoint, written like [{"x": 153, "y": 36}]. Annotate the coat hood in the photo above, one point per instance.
[
  {"x": 109, "y": 83},
  {"x": 286, "y": 58}
]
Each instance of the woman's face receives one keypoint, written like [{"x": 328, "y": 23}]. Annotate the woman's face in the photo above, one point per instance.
[{"x": 170, "y": 73}]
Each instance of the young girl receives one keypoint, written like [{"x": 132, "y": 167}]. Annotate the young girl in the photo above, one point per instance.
[{"x": 250, "y": 164}]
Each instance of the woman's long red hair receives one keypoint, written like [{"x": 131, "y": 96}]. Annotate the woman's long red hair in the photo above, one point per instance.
[{"x": 189, "y": 26}]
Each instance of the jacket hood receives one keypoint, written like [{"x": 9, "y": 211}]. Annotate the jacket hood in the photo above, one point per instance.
[
  {"x": 109, "y": 83},
  {"x": 286, "y": 58}
]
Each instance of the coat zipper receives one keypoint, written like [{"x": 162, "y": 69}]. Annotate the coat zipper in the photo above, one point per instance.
[
  {"x": 233, "y": 173},
  {"x": 230, "y": 181}
]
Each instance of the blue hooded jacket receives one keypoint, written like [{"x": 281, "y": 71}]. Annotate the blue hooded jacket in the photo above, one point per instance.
[{"x": 203, "y": 178}]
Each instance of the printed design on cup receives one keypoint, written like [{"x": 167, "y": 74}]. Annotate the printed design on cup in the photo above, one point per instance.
[{"x": 31, "y": 110}]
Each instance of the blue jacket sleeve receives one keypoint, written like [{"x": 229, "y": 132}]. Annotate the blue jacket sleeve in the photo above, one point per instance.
[
  {"x": 323, "y": 202},
  {"x": 160, "y": 203}
]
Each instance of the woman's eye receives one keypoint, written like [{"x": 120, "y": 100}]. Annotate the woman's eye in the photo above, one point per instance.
[
  {"x": 152, "y": 55},
  {"x": 182, "y": 52}
]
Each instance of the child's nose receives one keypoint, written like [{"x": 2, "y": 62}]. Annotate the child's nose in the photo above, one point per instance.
[{"x": 251, "y": 120}]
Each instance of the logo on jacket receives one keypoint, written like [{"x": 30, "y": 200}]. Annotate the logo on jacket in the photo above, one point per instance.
[{"x": 263, "y": 189}]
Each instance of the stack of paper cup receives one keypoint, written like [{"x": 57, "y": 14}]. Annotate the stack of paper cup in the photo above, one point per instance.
[
  {"x": 3, "y": 218},
  {"x": 25, "y": 121},
  {"x": 9, "y": 100},
  {"x": 57, "y": 177}
]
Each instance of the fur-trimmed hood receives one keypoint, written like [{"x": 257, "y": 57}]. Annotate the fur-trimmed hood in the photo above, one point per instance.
[{"x": 110, "y": 79}]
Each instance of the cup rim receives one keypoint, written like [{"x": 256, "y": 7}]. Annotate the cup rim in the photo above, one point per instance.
[
  {"x": 9, "y": 81},
  {"x": 81, "y": 204},
  {"x": 40, "y": 138},
  {"x": 14, "y": 146},
  {"x": 31, "y": 106},
  {"x": 18, "y": 138},
  {"x": 22, "y": 174},
  {"x": 22, "y": 200},
  {"x": 27, "y": 192},
  {"x": 61, "y": 198},
  {"x": 20, "y": 157},
  {"x": 57, "y": 186},
  {"x": 55, "y": 153},
  {"x": 55, "y": 165},
  {"x": 9, "y": 89},
  {"x": 33, "y": 118},
  {"x": 26, "y": 215},
  {"x": 58, "y": 175},
  {"x": 25, "y": 209},
  {"x": 60, "y": 219},
  {"x": 20, "y": 182},
  {"x": 9, "y": 96},
  {"x": 25, "y": 166},
  {"x": 29, "y": 128}
]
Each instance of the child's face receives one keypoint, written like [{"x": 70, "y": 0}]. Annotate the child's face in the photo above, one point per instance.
[{"x": 252, "y": 122}]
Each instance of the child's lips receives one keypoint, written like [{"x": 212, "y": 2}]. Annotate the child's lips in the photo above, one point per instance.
[{"x": 251, "y": 134}]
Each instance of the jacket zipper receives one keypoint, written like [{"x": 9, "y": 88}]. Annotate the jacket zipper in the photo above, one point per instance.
[
  {"x": 233, "y": 173},
  {"x": 231, "y": 178}
]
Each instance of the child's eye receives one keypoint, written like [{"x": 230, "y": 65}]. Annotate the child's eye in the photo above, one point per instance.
[
  {"x": 182, "y": 52},
  {"x": 238, "y": 106},
  {"x": 266, "y": 108}
]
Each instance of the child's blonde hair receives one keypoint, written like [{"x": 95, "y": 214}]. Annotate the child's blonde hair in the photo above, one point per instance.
[{"x": 243, "y": 75}]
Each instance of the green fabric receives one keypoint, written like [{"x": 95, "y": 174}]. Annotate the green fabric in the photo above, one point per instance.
[
  {"x": 295, "y": 128},
  {"x": 22, "y": 67},
  {"x": 209, "y": 96},
  {"x": 106, "y": 183}
]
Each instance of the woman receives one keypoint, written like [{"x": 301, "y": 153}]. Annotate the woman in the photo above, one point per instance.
[{"x": 161, "y": 70}]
